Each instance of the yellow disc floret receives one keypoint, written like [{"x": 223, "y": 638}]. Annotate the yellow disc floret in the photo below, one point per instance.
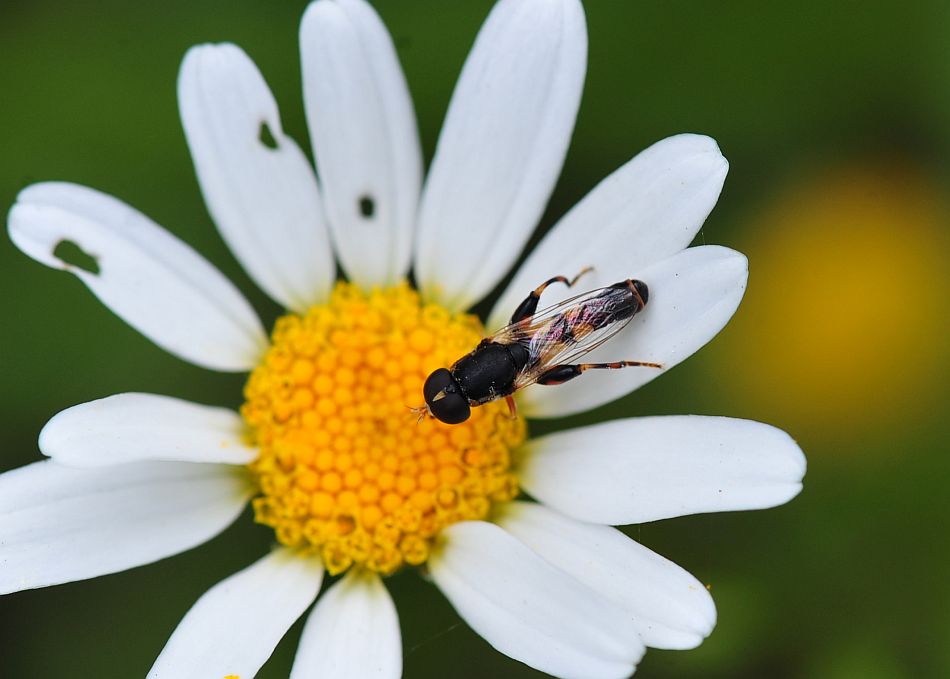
[{"x": 344, "y": 468}]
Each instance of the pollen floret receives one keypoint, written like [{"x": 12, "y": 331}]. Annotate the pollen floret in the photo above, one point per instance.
[{"x": 344, "y": 468}]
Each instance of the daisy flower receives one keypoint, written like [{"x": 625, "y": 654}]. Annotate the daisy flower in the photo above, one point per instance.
[{"x": 324, "y": 446}]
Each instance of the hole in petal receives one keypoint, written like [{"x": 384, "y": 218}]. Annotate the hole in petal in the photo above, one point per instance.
[
  {"x": 73, "y": 256},
  {"x": 367, "y": 206},
  {"x": 266, "y": 137}
]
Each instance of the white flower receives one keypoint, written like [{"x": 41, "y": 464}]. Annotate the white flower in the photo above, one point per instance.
[{"x": 136, "y": 477}]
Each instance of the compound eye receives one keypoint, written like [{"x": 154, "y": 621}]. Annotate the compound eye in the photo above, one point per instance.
[
  {"x": 451, "y": 409},
  {"x": 444, "y": 399}
]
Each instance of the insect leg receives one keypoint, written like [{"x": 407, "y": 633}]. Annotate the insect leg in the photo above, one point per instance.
[
  {"x": 512, "y": 407},
  {"x": 420, "y": 411},
  {"x": 530, "y": 303},
  {"x": 560, "y": 374}
]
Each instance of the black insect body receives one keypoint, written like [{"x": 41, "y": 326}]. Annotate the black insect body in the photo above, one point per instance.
[{"x": 535, "y": 347}]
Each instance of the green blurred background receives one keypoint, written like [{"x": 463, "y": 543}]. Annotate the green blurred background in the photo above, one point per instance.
[{"x": 836, "y": 120}]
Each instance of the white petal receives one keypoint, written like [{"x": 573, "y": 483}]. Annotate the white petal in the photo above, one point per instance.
[
  {"x": 132, "y": 427},
  {"x": 670, "y": 608},
  {"x": 59, "y": 524},
  {"x": 502, "y": 146},
  {"x": 156, "y": 283},
  {"x": 264, "y": 200},
  {"x": 352, "y": 633},
  {"x": 649, "y": 209},
  {"x": 644, "y": 469},
  {"x": 364, "y": 135},
  {"x": 528, "y": 609},
  {"x": 693, "y": 294},
  {"x": 235, "y": 626}
]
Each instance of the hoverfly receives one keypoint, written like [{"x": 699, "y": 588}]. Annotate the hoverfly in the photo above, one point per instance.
[{"x": 536, "y": 347}]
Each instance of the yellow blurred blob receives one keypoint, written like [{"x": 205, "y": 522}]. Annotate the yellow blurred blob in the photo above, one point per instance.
[{"x": 843, "y": 330}]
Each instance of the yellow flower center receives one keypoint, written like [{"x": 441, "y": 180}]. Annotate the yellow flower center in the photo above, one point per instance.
[{"x": 345, "y": 469}]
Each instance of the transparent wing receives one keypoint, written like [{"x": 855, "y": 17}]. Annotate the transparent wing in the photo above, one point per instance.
[
  {"x": 520, "y": 330},
  {"x": 565, "y": 332},
  {"x": 550, "y": 353}
]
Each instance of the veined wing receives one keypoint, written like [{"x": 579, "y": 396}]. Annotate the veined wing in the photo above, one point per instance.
[
  {"x": 565, "y": 332},
  {"x": 549, "y": 353},
  {"x": 521, "y": 331}
]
